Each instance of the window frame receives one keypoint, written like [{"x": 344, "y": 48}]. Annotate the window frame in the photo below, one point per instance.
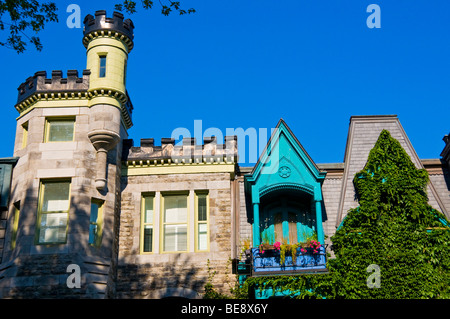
[
  {"x": 284, "y": 223},
  {"x": 125, "y": 66},
  {"x": 42, "y": 184},
  {"x": 163, "y": 197},
  {"x": 197, "y": 222},
  {"x": 25, "y": 134},
  {"x": 49, "y": 120},
  {"x": 102, "y": 56},
  {"x": 15, "y": 225},
  {"x": 144, "y": 197},
  {"x": 97, "y": 240}
]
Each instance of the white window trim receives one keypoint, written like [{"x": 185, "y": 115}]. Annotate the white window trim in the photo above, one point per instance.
[{"x": 158, "y": 232}]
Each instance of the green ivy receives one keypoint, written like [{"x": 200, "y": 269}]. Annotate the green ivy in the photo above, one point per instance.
[{"x": 394, "y": 227}]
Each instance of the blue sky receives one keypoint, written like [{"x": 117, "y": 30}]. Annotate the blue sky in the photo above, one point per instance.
[{"x": 248, "y": 63}]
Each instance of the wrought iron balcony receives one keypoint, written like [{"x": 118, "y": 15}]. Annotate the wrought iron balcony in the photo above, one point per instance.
[{"x": 269, "y": 262}]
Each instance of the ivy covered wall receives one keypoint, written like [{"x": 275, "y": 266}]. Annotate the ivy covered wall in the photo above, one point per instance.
[{"x": 393, "y": 245}]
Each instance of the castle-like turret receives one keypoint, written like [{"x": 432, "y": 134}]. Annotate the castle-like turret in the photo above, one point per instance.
[
  {"x": 108, "y": 42},
  {"x": 64, "y": 190}
]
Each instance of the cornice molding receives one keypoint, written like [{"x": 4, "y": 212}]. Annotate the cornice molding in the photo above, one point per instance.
[
  {"x": 167, "y": 168},
  {"x": 108, "y": 34},
  {"x": 27, "y": 104},
  {"x": 184, "y": 161}
]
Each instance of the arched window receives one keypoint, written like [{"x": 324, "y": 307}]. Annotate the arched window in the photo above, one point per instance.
[{"x": 287, "y": 217}]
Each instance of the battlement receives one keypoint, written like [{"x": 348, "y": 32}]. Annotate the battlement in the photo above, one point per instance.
[
  {"x": 39, "y": 83},
  {"x": 188, "y": 152},
  {"x": 115, "y": 24}
]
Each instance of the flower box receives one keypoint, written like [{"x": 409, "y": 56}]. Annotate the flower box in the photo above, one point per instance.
[{"x": 270, "y": 261}]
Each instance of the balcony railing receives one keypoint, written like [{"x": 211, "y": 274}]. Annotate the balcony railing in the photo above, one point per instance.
[{"x": 269, "y": 262}]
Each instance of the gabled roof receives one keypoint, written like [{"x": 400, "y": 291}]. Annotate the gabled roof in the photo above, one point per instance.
[
  {"x": 362, "y": 135},
  {"x": 283, "y": 128}
]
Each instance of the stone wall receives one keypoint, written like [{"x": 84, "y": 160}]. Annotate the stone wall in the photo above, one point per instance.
[
  {"x": 158, "y": 274},
  {"x": 331, "y": 189},
  {"x": 245, "y": 227},
  {"x": 439, "y": 174},
  {"x": 46, "y": 277},
  {"x": 25, "y": 267}
]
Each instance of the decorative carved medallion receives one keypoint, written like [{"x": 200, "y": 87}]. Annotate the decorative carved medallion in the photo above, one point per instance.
[{"x": 284, "y": 171}]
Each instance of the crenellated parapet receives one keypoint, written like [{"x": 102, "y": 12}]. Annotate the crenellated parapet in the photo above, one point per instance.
[
  {"x": 39, "y": 86},
  {"x": 101, "y": 25},
  {"x": 72, "y": 87},
  {"x": 186, "y": 153}
]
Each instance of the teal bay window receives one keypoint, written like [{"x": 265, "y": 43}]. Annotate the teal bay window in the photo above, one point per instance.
[
  {"x": 286, "y": 218},
  {"x": 285, "y": 190}
]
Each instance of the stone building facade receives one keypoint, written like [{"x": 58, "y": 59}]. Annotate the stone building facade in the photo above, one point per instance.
[{"x": 86, "y": 214}]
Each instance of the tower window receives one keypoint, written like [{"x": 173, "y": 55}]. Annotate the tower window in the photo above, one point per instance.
[
  {"x": 59, "y": 130},
  {"x": 15, "y": 224},
  {"x": 102, "y": 70},
  {"x": 125, "y": 71},
  {"x": 96, "y": 223},
  {"x": 24, "y": 134},
  {"x": 53, "y": 212}
]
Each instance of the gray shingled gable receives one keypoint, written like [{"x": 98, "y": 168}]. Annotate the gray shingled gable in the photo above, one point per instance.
[{"x": 362, "y": 135}]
